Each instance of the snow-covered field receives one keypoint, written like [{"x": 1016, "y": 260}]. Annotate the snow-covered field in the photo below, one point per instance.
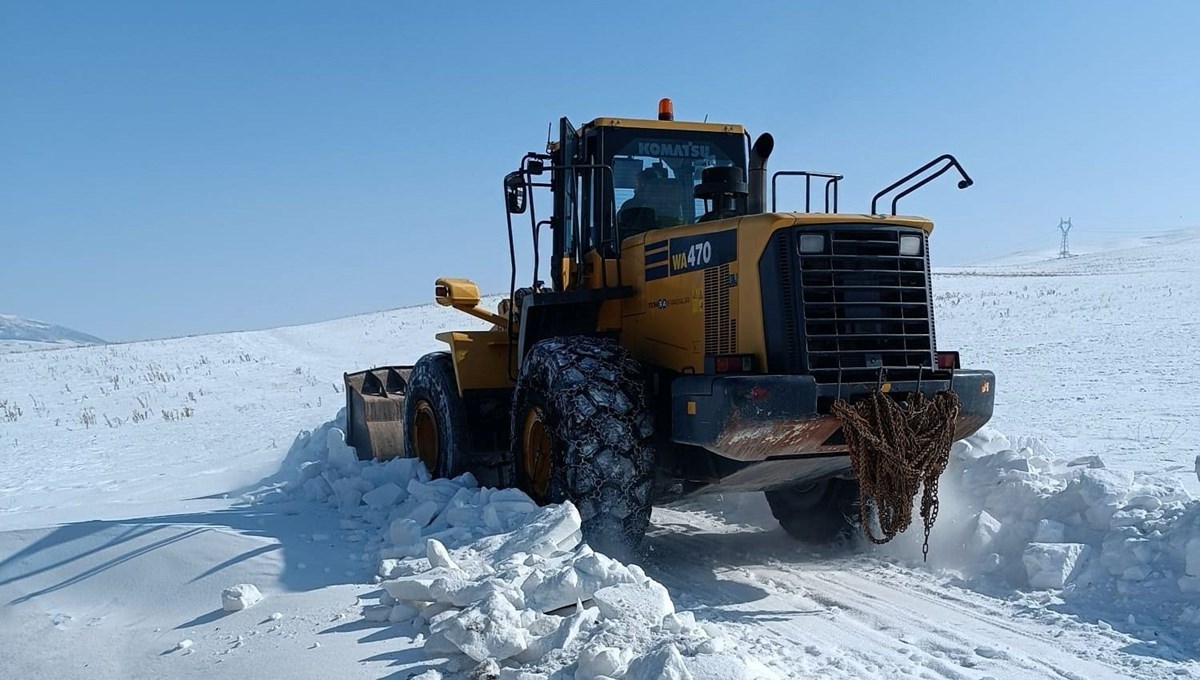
[{"x": 140, "y": 481}]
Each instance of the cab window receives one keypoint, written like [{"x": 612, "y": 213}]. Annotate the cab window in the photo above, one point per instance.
[{"x": 654, "y": 177}]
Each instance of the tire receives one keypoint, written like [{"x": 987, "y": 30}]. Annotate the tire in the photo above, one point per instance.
[
  {"x": 584, "y": 400},
  {"x": 431, "y": 398},
  {"x": 818, "y": 512}
]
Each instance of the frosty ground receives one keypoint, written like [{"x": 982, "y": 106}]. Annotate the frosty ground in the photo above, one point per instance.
[{"x": 127, "y": 506}]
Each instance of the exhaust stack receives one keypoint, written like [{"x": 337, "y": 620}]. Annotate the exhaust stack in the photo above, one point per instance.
[{"x": 763, "y": 146}]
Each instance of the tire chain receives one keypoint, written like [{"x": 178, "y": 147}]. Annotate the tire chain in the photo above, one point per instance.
[
  {"x": 895, "y": 451},
  {"x": 596, "y": 390}
]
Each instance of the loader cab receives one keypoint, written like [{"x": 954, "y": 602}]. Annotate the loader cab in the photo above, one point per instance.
[{"x": 620, "y": 177}]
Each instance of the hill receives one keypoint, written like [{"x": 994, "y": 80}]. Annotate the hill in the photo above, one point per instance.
[{"x": 21, "y": 335}]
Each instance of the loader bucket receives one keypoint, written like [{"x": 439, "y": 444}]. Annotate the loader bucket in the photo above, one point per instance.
[{"x": 375, "y": 411}]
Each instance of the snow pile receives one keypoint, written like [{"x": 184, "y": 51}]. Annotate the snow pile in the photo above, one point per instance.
[
  {"x": 1117, "y": 544},
  {"x": 498, "y": 586}
]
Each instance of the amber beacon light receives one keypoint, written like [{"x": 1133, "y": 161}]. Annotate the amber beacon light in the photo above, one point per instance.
[{"x": 666, "y": 109}]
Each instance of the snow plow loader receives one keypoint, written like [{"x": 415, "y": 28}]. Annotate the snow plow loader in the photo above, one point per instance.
[{"x": 692, "y": 338}]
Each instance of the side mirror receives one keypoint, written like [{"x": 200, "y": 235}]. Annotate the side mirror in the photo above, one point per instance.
[{"x": 514, "y": 192}]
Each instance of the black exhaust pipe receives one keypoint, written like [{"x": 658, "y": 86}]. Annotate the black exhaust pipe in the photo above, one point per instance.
[{"x": 759, "y": 152}]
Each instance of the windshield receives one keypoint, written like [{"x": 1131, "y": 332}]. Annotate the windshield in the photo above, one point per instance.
[{"x": 655, "y": 174}]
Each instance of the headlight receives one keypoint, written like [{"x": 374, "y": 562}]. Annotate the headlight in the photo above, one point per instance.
[
  {"x": 812, "y": 243},
  {"x": 910, "y": 245}
]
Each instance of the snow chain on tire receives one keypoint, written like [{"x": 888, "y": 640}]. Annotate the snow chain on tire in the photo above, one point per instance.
[
  {"x": 895, "y": 451},
  {"x": 591, "y": 394}
]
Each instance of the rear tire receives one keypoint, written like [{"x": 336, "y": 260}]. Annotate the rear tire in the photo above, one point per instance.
[
  {"x": 435, "y": 422},
  {"x": 818, "y": 512},
  {"x": 581, "y": 432}
]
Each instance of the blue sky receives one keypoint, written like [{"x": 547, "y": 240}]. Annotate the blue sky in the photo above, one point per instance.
[{"x": 182, "y": 168}]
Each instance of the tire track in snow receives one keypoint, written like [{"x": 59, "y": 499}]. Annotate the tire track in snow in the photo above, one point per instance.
[{"x": 847, "y": 615}]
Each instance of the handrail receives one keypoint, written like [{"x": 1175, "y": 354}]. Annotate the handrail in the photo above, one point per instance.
[
  {"x": 965, "y": 182},
  {"x": 831, "y": 181}
]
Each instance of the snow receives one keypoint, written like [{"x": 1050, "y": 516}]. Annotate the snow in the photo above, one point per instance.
[
  {"x": 647, "y": 601},
  {"x": 1051, "y": 565},
  {"x": 1094, "y": 354},
  {"x": 142, "y": 480},
  {"x": 239, "y": 597},
  {"x": 487, "y": 574}
]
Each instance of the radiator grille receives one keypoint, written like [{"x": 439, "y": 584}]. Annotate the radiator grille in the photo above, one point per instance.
[
  {"x": 789, "y": 316},
  {"x": 720, "y": 332},
  {"x": 864, "y": 306}
]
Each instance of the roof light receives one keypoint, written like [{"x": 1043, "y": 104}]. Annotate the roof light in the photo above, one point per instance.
[{"x": 666, "y": 109}]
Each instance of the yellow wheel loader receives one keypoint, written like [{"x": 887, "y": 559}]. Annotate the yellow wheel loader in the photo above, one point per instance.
[{"x": 692, "y": 337}]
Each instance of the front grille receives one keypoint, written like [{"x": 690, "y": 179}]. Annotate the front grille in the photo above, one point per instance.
[{"x": 863, "y": 306}]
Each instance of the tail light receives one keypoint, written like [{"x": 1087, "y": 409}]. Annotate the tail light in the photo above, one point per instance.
[
  {"x": 731, "y": 363},
  {"x": 948, "y": 361}
]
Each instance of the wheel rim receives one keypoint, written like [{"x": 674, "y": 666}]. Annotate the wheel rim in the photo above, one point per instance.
[
  {"x": 535, "y": 447},
  {"x": 425, "y": 435}
]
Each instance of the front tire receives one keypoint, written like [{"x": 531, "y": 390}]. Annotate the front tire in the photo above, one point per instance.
[
  {"x": 581, "y": 432},
  {"x": 435, "y": 422},
  {"x": 818, "y": 512}
]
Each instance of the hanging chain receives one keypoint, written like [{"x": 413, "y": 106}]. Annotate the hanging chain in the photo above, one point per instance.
[{"x": 896, "y": 451}]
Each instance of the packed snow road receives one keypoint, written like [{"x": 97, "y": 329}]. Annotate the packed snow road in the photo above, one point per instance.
[{"x": 845, "y": 614}]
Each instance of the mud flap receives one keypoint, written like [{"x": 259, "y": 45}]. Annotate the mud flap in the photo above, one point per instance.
[{"x": 375, "y": 411}]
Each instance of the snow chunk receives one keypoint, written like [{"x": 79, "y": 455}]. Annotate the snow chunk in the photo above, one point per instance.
[
  {"x": 404, "y": 532},
  {"x": 981, "y": 539},
  {"x": 491, "y": 629},
  {"x": 647, "y": 601},
  {"x": 1050, "y": 531},
  {"x": 554, "y": 528},
  {"x": 426, "y": 586},
  {"x": 561, "y": 637},
  {"x": 1092, "y": 462},
  {"x": 377, "y": 612},
  {"x": 1051, "y": 565},
  {"x": 679, "y": 622},
  {"x": 1189, "y": 584},
  {"x": 665, "y": 663},
  {"x": 487, "y": 669},
  {"x": 438, "y": 555},
  {"x": 423, "y": 514},
  {"x": 548, "y": 589},
  {"x": 240, "y": 597},
  {"x": 341, "y": 457},
  {"x": 1192, "y": 556},
  {"x": 402, "y": 612},
  {"x": 601, "y": 661},
  {"x": 383, "y": 496},
  {"x": 389, "y": 568}
]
